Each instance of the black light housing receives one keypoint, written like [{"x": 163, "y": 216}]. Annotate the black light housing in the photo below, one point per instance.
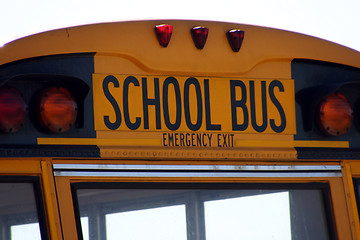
[{"x": 311, "y": 98}]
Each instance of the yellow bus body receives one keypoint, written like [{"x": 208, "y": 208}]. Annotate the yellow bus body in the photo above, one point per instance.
[{"x": 204, "y": 128}]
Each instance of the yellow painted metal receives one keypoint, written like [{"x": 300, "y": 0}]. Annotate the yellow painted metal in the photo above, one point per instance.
[
  {"x": 19, "y": 166},
  {"x": 244, "y": 148},
  {"x": 354, "y": 167},
  {"x": 66, "y": 208},
  {"x": 243, "y": 154},
  {"x": 344, "y": 226},
  {"x": 342, "y": 220},
  {"x": 157, "y": 142},
  {"x": 131, "y": 49},
  {"x": 216, "y": 108},
  {"x": 37, "y": 167},
  {"x": 294, "y": 143},
  {"x": 342, "y": 196},
  {"x": 136, "y": 41},
  {"x": 50, "y": 200},
  {"x": 100, "y": 142},
  {"x": 351, "y": 200}
]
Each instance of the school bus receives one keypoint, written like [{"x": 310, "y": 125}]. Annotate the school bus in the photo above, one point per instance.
[{"x": 176, "y": 129}]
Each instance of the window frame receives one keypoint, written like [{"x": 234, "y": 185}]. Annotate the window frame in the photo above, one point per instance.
[
  {"x": 333, "y": 173},
  {"x": 264, "y": 186}
]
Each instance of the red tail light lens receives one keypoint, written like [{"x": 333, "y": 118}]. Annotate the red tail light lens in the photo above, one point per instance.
[
  {"x": 163, "y": 33},
  {"x": 13, "y": 110},
  {"x": 335, "y": 115},
  {"x": 199, "y": 35},
  {"x": 57, "y": 109},
  {"x": 235, "y": 38}
]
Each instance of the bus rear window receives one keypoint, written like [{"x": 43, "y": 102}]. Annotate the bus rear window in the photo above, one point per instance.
[{"x": 201, "y": 211}]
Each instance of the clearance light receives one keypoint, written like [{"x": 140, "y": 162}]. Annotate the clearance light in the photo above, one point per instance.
[
  {"x": 235, "y": 38},
  {"x": 335, "y": 114},
  {"x": 199, "y": 35},
  {"x": 58, "y": 109},
  {"x": 13, "y": 110},
  {"x": 163, "y": 33}
]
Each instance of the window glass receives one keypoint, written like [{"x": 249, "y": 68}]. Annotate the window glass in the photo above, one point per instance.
[
  {"x": 85, "y": 227},
  {"x": 357, "y": 192},
  {"x": 234, "y": 217},
  {"x": 201, "y": 211},
  {"x": 29, "y": 231},
  {"x": 162, "y": 223},
  {"x": 18, "y": 211}
]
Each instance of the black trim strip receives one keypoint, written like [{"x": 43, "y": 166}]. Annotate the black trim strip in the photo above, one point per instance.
[
  {"x": 49, "y": 151},
  {"x": 327, "y": 153}
]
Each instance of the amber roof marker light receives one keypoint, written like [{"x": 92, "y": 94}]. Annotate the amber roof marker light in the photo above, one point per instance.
[
  {"x": 163, "y": 33},
  {"x": 57, "y": 109},
  {"x": 235, "y": 38},
  {"x": 13, "y": 110},
  {"x": 335, "y": 115},
  {"x": 199, "y": 35}
]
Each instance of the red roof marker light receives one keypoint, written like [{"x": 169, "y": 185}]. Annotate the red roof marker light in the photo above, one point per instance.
[
  {"x": 13, "y": 110},
  {"x": 163, "y": 33},
  {"x": 199, "y": 35},
  {"x": 235, "y": 38}
]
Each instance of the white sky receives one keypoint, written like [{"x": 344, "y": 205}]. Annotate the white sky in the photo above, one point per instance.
[{"x": 335, "y": 20}]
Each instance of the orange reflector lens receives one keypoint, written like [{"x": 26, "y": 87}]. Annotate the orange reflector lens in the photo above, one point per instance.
[
  {"x": 13, "y": 110},
  {"x": 199, "y": 35},
  {"x": 235, "y": 38},
  {"x": 335, "y": 115},
  {"x": 163, "y": 33},
  {"x": 58, "y": 109}
]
